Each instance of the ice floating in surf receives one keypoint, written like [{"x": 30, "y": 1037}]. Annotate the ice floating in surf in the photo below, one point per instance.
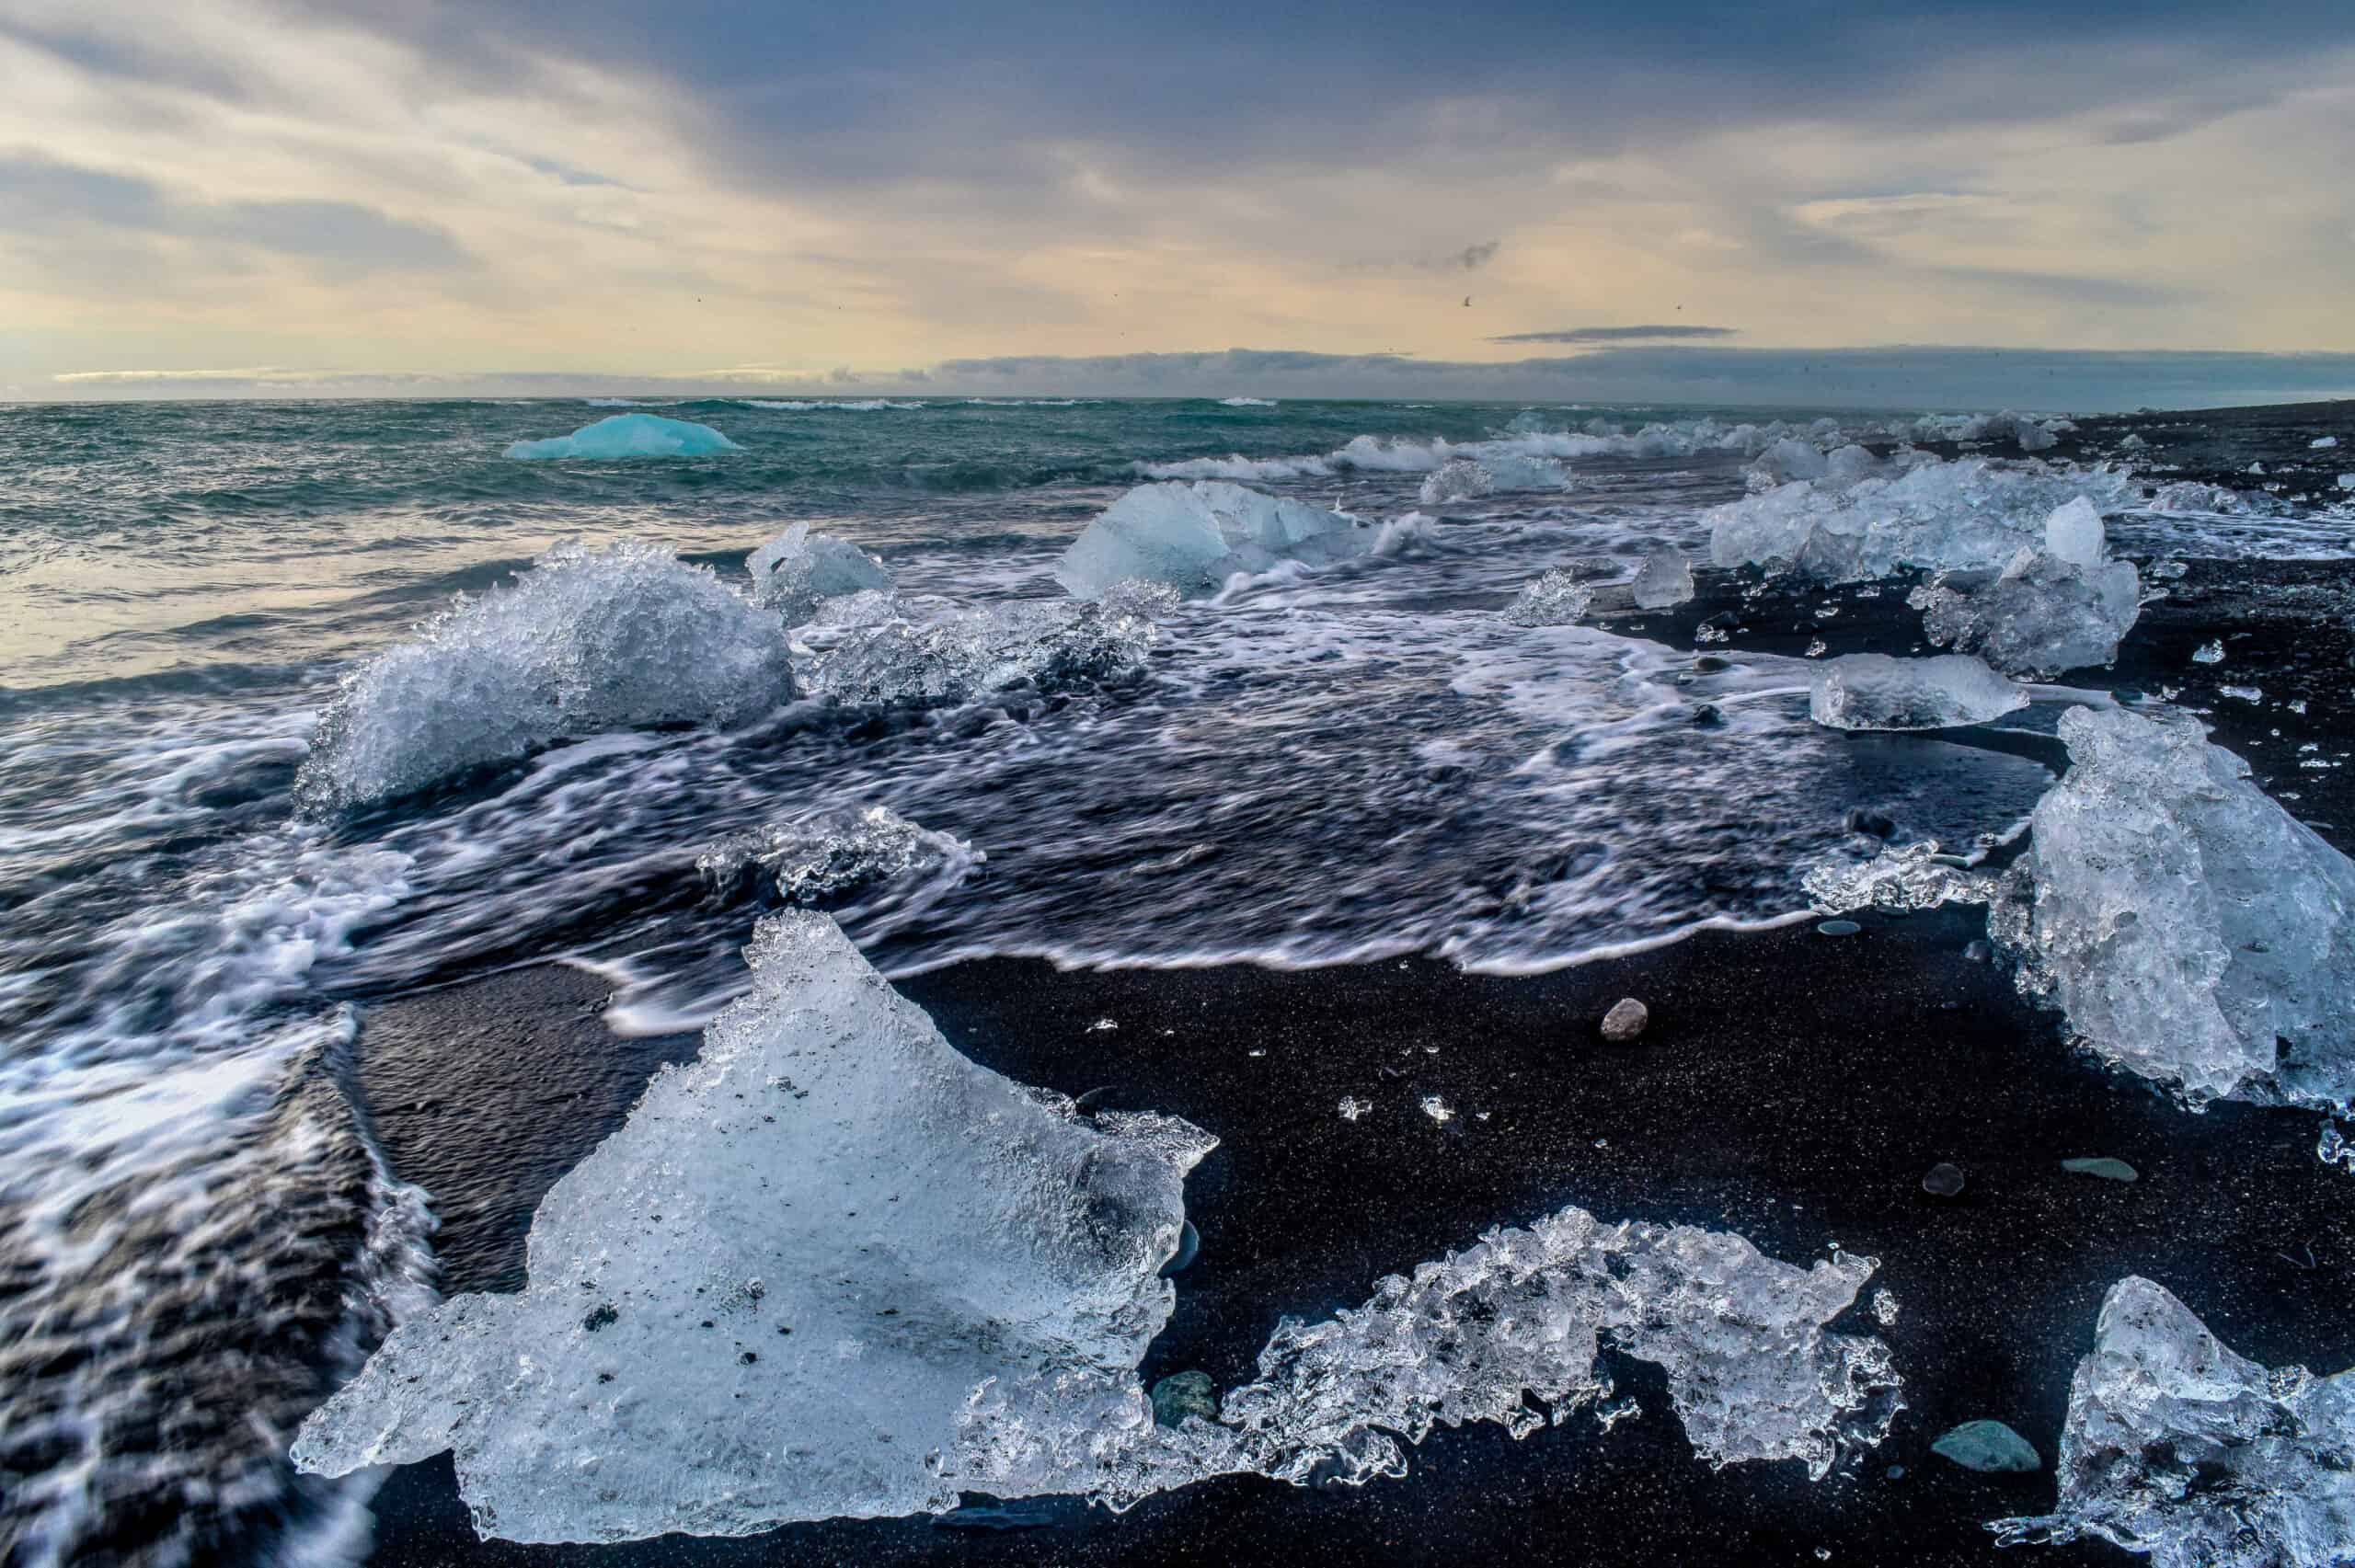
[
  {"x": 1663, "y": 581},
  {"x": 1042, "y": 646},
  {"x": 797, "y": 570},
  {"x": 2177, "y": 1447},
  {"x": 1465, "y": 478},
  {"x": 630, "y": 435},
  {"x": 1871, "y": 691},
  {"x": 1195, "y": 536},
  {"x": 1554, "y": 598},
  {"x": 584, "y": 641},
  {"x": 831, "y": 1269},
  {"x": 2193, "y": 930},
  {"x": 820, "y": 855}
]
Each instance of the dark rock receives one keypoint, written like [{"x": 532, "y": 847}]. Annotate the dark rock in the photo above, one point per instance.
[
  {"x": 1860, "y": 821},
  {"x": 1942, "y": 1180},
  {"x": 1625, "y": 1021}
]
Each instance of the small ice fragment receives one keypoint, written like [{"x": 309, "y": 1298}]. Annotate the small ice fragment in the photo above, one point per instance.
[
  {"x": 1884, "y": 1308},
  {"x": 2242, "y": 693},
  {"x": 2107, "y": 1169},
  {"x": 1555, "y": 599},
  {"x": 1706, "y": 633},
  {"x": 2323, "y": 443},
  {"x": 2168, "y": 571},
  {"x": 820, "y": 855},
  {"x": 629, "y": 435},
  {"x": 1871, "y": 691},
  {"x": 1663, "y": 580},
  {"x": 2211, "y": 652},
  {"x": 1988, "y": 1446},
  {"x": 1838, "y": 928},
  {"x": 1103, "y": 1027},
  {"x": 1942, "y": 1180},
  {"x": 1437, "y": 1109},
  {"x": 1352, "y": 1107},
  {"x": 1911, "y": 878}
]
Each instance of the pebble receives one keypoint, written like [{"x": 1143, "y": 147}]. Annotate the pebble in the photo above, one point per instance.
[
  {"x": 1839, "y": 928},
  {"x": 1942, "y": 1180},
  {"x": 1708, "y": 716},
  {"x": 1988, "y": 1446},
  {"x": 1860, "y": 821},
  {"x": 1625, "y": 1021},
  {"x": 1182, "y": 1394},
  {"x": 2108, "y": 1170}
]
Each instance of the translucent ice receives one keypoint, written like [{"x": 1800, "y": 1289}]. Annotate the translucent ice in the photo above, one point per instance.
[
  {"x": 1867, "y": 518},
  {"x": 1872, "y": 691},
  {"x": 1195, "y": 536},
  {"x": 2177, "y": 1447},
  {"x": 1663, "y": 580},
  {"x": 2073, "y": 534},
  {"x": 1458, "y": 479},
  {"x": 586, "y": 641},
  {"x": 630, "y": 435},
  {"x": 1911, "y": 878},
  {"x": 769, "y": 1296},
  {"x": 798, "y": 569},
  {"x": 1509, "y": 1331},
  {"x": 822, "y": 854},
  {"x": 2193, "y": 930},
  {"x": 2040, "y": 617},
  {"x": 1554, "y": 599},
  {"x": 1044, "y": 645}
]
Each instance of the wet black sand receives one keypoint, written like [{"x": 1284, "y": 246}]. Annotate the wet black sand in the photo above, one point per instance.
[{"x": 1792, "y": 1087}]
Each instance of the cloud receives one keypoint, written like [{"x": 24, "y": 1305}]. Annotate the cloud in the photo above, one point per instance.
[
  {"x": 42, "y": 196},
  {"x": 1614, "y": 333}
]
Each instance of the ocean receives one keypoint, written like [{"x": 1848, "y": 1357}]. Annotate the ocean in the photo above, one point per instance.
[{"x": 1351, "y": 814}]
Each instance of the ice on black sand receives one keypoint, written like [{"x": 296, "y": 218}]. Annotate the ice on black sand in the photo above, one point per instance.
[
  {"x": 1942, "y": 1180},
  {"x": 1988, "y": 1446}
]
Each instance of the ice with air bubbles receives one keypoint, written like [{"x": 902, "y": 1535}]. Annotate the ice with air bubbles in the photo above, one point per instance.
[
  {"x": 1554, "y": 598},
  {"x": 2190, "y": 929},
  {"x": 585, "y": 642},
  {"x": 1042, "y": 646},
  {"x": 818, "y": 855},
  {"x": 770, "y": 1293},
  {"x": 2179, "y": 1448}
]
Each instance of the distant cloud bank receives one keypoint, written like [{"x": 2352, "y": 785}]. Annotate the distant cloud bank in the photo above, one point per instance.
[
  {"x": 1616, "y": 333},
  {"x": 1927, "y": 377}
]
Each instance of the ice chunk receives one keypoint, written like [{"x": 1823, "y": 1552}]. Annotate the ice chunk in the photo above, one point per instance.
[
  {"x": 1553, "y": 598},
  {"x": 1862, "y": 520},
  {"x": 1664, "y": 579},
  {"x": 822, "y": 854},
  {"x": 1458, "y": 479},
  {"x": 1988, "y": 1446},
  {"x": 586, "y": 641},
  {"x": 1786, "y": 460},
  {"x": 769, "y": 1296},
  {"x": 1507, "y": 1330},
  {"x": 1872, "y": 691},
  {"x": 1247, "y": 402},
  {"x": 2192, "y": 930},
  {"x": 2210, "y": 652},
  {"x": 1044, "y": 645},
  {"x": 2040, "y": 617},
  {"x": 2323, "y": 443},
  {"x": 795, "y": 571},
  {"x": 2073, "y": 534},
  {"x": 1194, "y": 536},
  {"x": 2178, "y": 1447},
  {"x": 630, "y": 435},
  {"x": 1914, "y": 876}
]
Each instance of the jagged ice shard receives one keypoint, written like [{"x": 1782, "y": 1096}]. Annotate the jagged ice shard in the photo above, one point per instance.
[
  {"x": 2193, "y": 930},
  {"x": 1194, "y": 536},
  {"x": 1872, "y": 691},
  {"x": 2178, "y": 1447},
  {"x": 831, "y": 1269},
  {"x": 768, "y": 1296},
  {"x": 585, "y": 642},
  {"x": 629, "y": 435}
]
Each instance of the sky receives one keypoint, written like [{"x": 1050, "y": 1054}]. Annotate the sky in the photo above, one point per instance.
[{"x": 1827, "y": 201}]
